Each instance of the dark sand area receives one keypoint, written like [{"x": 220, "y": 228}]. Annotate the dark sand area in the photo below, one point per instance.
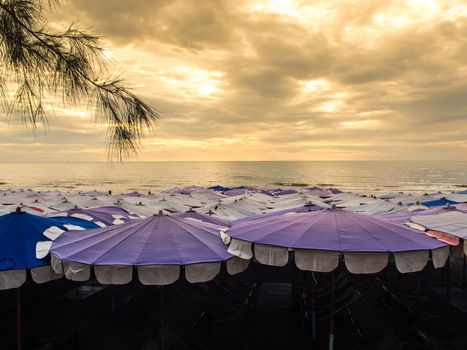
[{"x": 262, "y": 308}]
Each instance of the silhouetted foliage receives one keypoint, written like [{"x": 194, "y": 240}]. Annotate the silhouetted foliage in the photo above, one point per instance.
[{"x": 38, "y": 61}]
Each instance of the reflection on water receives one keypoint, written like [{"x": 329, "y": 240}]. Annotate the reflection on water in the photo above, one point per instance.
[{"x": 363, "y": 177}]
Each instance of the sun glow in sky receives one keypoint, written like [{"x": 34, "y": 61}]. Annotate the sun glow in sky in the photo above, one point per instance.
[{"x": 273, "y": 80}]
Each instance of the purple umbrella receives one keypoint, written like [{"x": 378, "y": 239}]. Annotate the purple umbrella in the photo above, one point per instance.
[
  {"x": 236, "y": 192},
  {"x": 278, "y": 191},
  {"x": 94, "y": 193},
  {"x": 191, "y": 214},
  {"x": 102, "y": 216},
  {"x": 157, "y": 246},
  {"x": 320, "y": 237},
  {"x": 333, "y": 190},
  {"x": 131, "y": 194},
  {"x": 316, "y": 191}
]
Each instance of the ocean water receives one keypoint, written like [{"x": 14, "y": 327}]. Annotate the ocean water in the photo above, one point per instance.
[{"x": 365, "y": 177}]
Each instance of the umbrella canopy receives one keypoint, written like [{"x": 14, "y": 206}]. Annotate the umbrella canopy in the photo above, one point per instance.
[
  {"x": 320, "y": 237},
  {"x": 439, "y": 202},
  {"x": 278, "y": 191},
  {"x": 403, "y": 217},
  {"x": 452, "y": 222},
  {"x": 301, "y": 209},
  {"x": 74, "y": 223},
  {"x": 377, "y": 208},
  {"x": 219, "y": 188},
  {"x": 158, "y": 246},
  {"x": 297, "y": 201},
  {"x": 191, "y": 214},
  {"x": 100, "y": 216},
  {"x": 237, "y": 191},
  {"x": 409, "y": 199},
  {"x": 25, "y": 240},
  {"x": 316, "y": 191}
]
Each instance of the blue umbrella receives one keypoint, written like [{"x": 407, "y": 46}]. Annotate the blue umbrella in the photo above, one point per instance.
[
  {"x": 439, "y": 202},
  {"x": 219, "y": 188},
  {"x": 25, "y": 240},
  {"x": 72, "y": 223}
]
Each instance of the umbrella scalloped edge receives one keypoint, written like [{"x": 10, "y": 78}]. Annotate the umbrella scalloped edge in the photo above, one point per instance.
[
  {"x": 148, "y": 275},
  {"x": 10, "y": 279},
  {"x": 327, "y": 261}
]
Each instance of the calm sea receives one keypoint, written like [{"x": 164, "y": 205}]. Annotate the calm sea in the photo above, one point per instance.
[{"x": 364, "y": 177}]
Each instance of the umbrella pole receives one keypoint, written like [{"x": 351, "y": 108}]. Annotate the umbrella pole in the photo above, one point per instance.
[
  {"x": 313, "y": 311},
  {"x": 162, "y": 318},
  {"x": 76, "y": 317},
  {"x": 18, "y": 318},
  {"x": 448, "y": 298},
  {"x": 331, "y": 317},
  {"x": 463, "y": 269}
]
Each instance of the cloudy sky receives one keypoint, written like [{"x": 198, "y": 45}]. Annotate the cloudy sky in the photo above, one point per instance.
[{"x": 274, "y": 80}]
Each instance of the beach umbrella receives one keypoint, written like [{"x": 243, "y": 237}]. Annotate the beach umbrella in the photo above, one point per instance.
[
  {"x": 278, "y": 191},
  {"x": 74, "y": 223},
  {"x": 449, "y": 226},
  {"x": 185, "y": 190},
  {"x": 24, "y": 243},
  {"x": 193, "y": 215},
  {"x": 452, "y": 221},
  {"x": 380, "y": 207},
  {"x": 231, "y": 210},
  {"x": 333, "y": 190},
  {"x": 385, "y": 207},
  {"x": 94, "y": 193},
  {"x": 302, "y": 209},
  {"x": 100, "y": 216},
  {"x": 357, "y": 201},
  {"x": 406, "y": 216},
  {"x": 83, "y": 201},
  {"x": 132, "y": 194},
  {"x": 458, "y": 197},
  {"x": 288, "y": 202},
  {"x": 347, "y": 199},
  {"x": 319, "y": 192},
  {"x": 438, "y": 202},
  {"x": 409, "y": 199},
  {"x": 143, "y": 210},
  {"x": 142, "y": 200},
  {"x": 186, "y": 200},
  {"x": 321, "y": 238},
  {"x": 11, "y": 198},
  {"x": 237, "y": 191},
  {"x": 206, "y": 196},
  {"x": 158, "y": 247},
  {"x": 219, "y": 188},
  {"x": 25, "y": 240}
]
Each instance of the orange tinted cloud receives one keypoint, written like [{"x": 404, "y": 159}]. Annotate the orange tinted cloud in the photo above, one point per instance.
[{"x": 273, "y": 80}]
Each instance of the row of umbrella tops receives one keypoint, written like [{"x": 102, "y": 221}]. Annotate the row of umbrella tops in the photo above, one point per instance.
[{"x": 161, "y": 247}]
